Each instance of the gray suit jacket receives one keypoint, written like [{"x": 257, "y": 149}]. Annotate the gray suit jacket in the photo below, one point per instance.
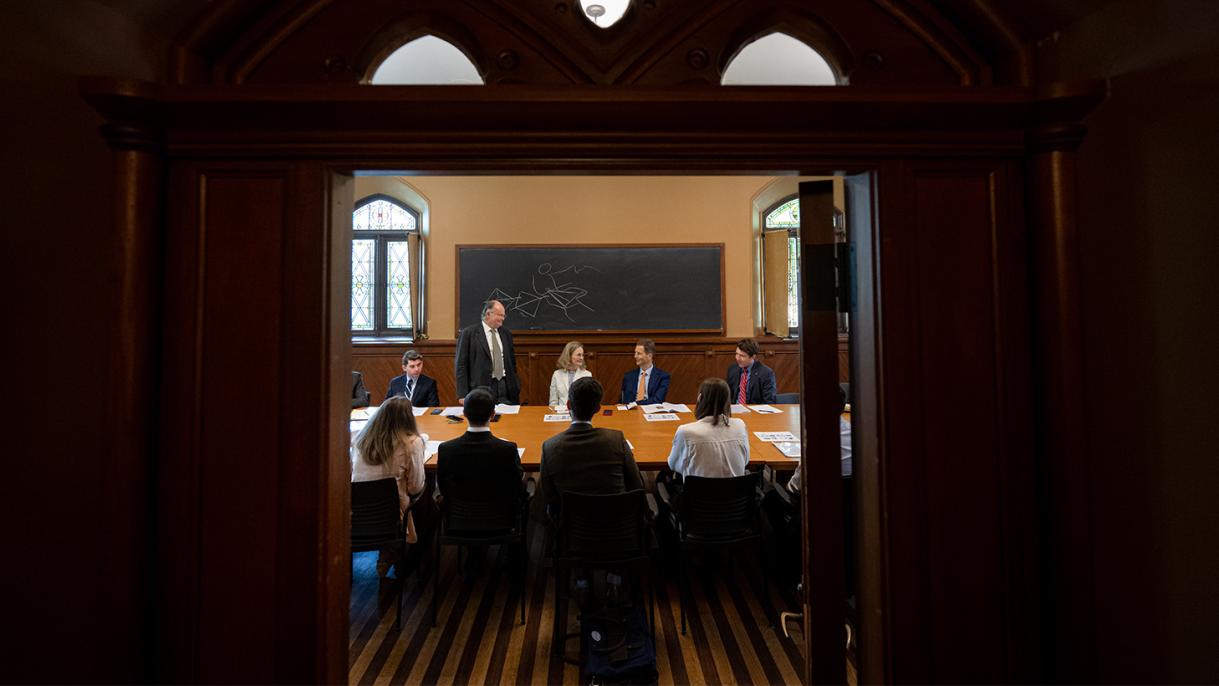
[{"x": 586, "y": 459}]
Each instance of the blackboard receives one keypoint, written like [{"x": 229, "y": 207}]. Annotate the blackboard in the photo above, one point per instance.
[{"x": 595, "y": 288}]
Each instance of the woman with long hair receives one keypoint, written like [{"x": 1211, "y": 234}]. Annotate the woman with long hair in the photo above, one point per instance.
[
  {"x": 390, "y": 445},
  {"x": 569, "y": 368},
  {"x": 717, "y": 444}
]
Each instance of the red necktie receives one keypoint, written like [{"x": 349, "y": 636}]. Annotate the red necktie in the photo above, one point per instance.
[{"x": 740, "y": 398}]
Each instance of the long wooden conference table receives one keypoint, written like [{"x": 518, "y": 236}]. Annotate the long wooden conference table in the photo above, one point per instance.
[{"x": 651, "y": 441}]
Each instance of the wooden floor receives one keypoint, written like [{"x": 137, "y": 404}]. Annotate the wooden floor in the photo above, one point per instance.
[{"x": 478, "y": 638}]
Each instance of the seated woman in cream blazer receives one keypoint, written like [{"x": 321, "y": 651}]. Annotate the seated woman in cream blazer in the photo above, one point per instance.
[{"x": 569, "y": 368}]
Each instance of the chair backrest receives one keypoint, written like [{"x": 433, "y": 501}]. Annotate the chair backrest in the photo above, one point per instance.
[
  {"x": 719, "y": 509},
  {"x": 375, "y": 518},
  {"x": 787, "y": 398},
  {"x": 602, "y": 528},
  {"x": 480, "y": 506}
]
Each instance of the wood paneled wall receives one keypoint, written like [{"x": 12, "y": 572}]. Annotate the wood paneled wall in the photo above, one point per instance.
[{"x": 688, "y": 360}]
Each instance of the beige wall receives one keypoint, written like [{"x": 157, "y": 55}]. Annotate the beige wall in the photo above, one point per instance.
[{"x": 583, "y": 209}]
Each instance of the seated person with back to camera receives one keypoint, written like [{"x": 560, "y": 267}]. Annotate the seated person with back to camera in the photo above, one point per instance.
[
  {"x": 584, "y": 458},
  {"x": 390, "y": 445}
]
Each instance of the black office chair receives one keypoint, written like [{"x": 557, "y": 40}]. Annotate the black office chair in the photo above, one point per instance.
[
  {"x": 479, "y": 513},
  {"x": 376, "y": 524},
  {"x": 714, "y": 513},
  {"x": 360, "y": 397},
  {"x": 599, "y": 532},
  {"x": 787, "y": 399}
]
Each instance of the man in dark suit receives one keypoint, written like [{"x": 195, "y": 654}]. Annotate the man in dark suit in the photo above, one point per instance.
[
  {"x": 476, "y": 460},
  {"x": 359, "y": 394},
  {"x": 480, "y": 466},
  {"x": 485, "y": 357},
  {"x": 751, "y": 381},
  {"x": 654, "y": 384},
  {"x": 585, "y": 459},
  {"x": 419, "y": 388}
]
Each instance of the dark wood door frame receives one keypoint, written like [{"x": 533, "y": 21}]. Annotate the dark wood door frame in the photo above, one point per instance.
[{"x": 307, "y": 140}]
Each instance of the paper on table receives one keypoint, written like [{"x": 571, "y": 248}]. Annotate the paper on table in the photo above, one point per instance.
[
  {"x": 357, "y": 424},
  {"x": 556, "y": 418},
  {"x": 664, "y": 407},
  {"x": 520, "y": 452},
  {"x": 789, "y": 448},
  {"x": 739, "y": 409},
  {"x": 455, "y": 411},
  {"x": 775, "y": 436},
  {"x": 419, "y": 411},
  {"x": 503, "y": 408},
  {"x": 624, "y": 408},
  {"x": 561, "y": 409},
  {"x": 629, "y": 444},
  {"x": 431, "y": 449},
  {"x": 363, "y": 413},
  {"x": 661, "y": 417},
  {"x": 765, "y": 409}
]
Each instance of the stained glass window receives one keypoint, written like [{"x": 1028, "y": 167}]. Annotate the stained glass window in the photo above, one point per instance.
[
  {"x": 785, "y": 216},
  {"x": 398, "y": 286},
  {"x": 382, "y": 294}
]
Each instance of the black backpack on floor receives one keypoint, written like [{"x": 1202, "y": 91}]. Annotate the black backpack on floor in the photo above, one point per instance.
[{"x": 615, "y": 647}]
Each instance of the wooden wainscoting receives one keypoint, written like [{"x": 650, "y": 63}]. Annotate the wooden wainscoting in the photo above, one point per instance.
[{"x": 688, "y": 359}]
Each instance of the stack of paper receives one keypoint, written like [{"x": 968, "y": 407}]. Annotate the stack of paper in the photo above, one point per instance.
[
  {"x": 501, "y": 408},
  {"x": 664, "y": 407},
  {"x": 775, "y": 436},
  {"x": 765, "y": 409},
  {"x": 455, "y": 411},
  {"x": 661, "y": 417}
]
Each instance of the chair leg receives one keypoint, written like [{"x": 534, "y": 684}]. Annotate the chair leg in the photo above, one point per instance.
[
  {"x": 770, "y": 620},
  {"x": 435, "y": 576},
  {"x": 683, "y": 585},
  {"x": 524, "y": 576},
  {"x": 559, "y": 622}
]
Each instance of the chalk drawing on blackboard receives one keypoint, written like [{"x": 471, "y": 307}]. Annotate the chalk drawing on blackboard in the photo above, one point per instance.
[{"x": 548, "y": 291}]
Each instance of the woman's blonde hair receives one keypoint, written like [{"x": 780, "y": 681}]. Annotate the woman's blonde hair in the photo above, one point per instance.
[
  {"x": 393, "y": 424},
  {"x": 565, "y": 356},
  {"x": 714, "y": 400}
]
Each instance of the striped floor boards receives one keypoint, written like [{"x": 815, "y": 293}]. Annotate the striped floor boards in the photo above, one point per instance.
[{"x": 478, "y": 638}]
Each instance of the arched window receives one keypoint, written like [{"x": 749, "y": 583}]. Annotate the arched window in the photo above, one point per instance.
[
  {"x": 777, "y": 59},
  {"x": 427, "y": 60},
  {"x": 384, "y": 267},
  {"x": 780, "y": 223}
]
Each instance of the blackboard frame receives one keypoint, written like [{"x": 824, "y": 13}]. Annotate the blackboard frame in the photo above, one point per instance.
[{"x": 485, "y": 246}]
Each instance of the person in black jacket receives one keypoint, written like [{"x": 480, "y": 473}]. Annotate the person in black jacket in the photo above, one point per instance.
[
  {"x": 359, "y": 394},
  {"x": 485, "y": 357},
  {"x": 750, "y": 381},
  {"x": 416, "y": 386}
]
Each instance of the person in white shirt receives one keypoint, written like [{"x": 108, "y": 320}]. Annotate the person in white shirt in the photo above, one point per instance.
[
  {"x": 717, "y": 445},
  {"x": 569, "y": 368},
  {"x": 844, "y": 440},
  {"x": 390, "y": 445}
]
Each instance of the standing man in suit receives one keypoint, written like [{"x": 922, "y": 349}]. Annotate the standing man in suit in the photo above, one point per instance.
[
  {"x": 646, "y": 384},
  {"x": 485, "y": 357},
  {"x": 416, "y": 386},
  {"x": 585, "y": 459},
  {"x": 752, "y": 382}
]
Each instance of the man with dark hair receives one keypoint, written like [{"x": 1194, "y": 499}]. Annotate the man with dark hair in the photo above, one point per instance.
[
  {"x": 485, "y": 357},
  {"x": 646, "y": 384},
  {"x": 416, "y": 386},
  {"x": 477, "y": 464},
  {"x": 585, "y": 459},
  {"x": 751, "y": 381}
]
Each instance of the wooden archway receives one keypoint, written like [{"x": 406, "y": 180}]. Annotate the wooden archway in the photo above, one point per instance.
[{"x": 258, "y": 142}]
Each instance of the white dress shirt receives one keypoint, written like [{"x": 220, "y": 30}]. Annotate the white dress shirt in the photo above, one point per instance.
[
  {"x": 704, "y": 448},
  {"x": 844, "y": 438}
]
